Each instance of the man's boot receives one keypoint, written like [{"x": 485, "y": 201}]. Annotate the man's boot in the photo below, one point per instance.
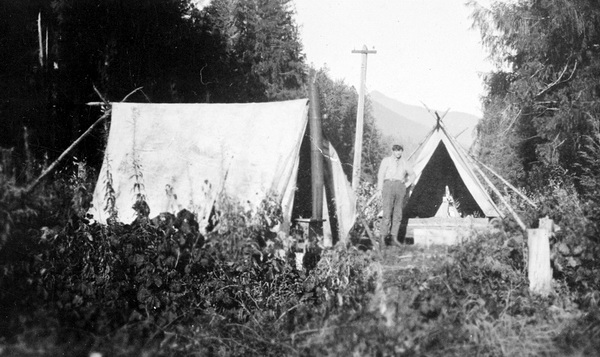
[
  {"x": 394, "y": 242},
  {"x": 381, "y": 242}
]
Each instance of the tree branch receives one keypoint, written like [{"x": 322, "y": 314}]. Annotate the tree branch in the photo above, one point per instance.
[{"x": 558, "y": 80}]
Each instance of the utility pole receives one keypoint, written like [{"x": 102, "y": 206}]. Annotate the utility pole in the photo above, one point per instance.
[{"x": 360, "y": 113}]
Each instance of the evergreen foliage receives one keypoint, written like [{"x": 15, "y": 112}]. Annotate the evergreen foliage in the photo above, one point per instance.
[
  {"x": 542, "y": 109},
  {"x": 339, "y": 103},
  {"x": 229, "y": 51}
]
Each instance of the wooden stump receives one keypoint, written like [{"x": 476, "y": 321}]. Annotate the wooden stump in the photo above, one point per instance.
[{"x": 540, "y": 273}]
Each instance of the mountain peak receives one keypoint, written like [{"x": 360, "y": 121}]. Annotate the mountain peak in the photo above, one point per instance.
[{"x": 410, "y": 124}]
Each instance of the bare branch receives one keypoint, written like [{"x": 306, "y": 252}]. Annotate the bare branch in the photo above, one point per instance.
[
  {"x": 559, "y": 80},
  {"x": 512, "y": 122},
  {"x": 130, "y": 94}
]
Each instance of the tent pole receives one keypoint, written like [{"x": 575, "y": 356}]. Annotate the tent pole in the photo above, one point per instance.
[
  {"x": 508, "y": 206},
  {"x": 506, "y": 183},
  {"x": 316, "y": 149},
  {"x": 489, "y": 182}
]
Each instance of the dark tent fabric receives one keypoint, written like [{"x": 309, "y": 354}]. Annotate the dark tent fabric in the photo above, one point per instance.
[{"x": 441, "y": 162}]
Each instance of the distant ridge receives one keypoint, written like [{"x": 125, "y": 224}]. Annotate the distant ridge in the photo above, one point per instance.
[
  {"x": 396, "y": 128},
  {"x": 409, "y": 124}
]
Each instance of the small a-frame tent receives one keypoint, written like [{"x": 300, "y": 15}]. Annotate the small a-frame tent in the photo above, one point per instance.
[
  {"x": 441, "y": 164},
  {"x": 184, "y": 156}
]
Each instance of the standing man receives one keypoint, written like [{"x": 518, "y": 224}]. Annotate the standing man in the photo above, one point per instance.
[{"x": 394, "y": 177}]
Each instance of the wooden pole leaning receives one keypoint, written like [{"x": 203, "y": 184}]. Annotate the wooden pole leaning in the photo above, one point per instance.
[
  {"x": 506, "y": 183},
  {"x": 491, "y": 185},
  {"x": 51, "y": 168},
  {"x": 107, "y": 111},
  {"x": 316, "y": 157},
  {"x": 497, "y": 192}
]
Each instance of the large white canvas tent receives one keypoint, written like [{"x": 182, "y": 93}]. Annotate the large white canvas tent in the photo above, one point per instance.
[
  {"x": 184, "y": 156},
  {"x": 442, "y": 165}
]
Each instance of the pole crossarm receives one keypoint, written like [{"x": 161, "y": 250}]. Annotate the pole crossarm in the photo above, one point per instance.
[{"x": 365, "y": 51}]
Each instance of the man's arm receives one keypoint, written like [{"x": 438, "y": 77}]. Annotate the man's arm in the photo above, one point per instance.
[{"x": 381, "y": 174}]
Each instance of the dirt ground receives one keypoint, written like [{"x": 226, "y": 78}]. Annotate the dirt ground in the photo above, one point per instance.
[{"x": 395, "y": 260}]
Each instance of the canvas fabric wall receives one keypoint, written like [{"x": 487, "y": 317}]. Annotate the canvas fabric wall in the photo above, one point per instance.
[{"x": 184, "y": 156}]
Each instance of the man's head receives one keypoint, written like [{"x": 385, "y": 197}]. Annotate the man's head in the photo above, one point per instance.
[{"x": 397, "y": 150}]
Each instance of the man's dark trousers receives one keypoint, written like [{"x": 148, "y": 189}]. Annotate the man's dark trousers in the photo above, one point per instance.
[{"x": 393, "y": 199}]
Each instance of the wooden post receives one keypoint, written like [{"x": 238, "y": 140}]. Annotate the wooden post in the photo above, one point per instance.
[
  {"x": 360, "y": 120},
  {"x": 316, "y": 155},
  {"x": 539, "y": 271}
]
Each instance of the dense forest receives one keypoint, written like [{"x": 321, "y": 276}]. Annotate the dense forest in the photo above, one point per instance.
[
  {"x": 59, "y": 55},
  {"x": 541, "y": 124},
  {"x": 159, "y": 287}
]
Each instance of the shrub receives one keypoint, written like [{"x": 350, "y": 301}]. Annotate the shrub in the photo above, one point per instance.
[{"x": 574, "y": 249}]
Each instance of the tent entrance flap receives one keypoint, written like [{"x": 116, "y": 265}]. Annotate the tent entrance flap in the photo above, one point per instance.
[
  {"x": 303, "y": 196},
  {"x": 302, "y": 208},
  {"x": 439, "y": 173}
]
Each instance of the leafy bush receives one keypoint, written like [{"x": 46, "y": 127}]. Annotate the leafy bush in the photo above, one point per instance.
[
  {"x": 120, "y": 287},
  {"x": 28, "y": 219},
  {"x": 367, "y": 216},
  {"x": 574, "y": 248},
  {"x": 160, "y": 287}
]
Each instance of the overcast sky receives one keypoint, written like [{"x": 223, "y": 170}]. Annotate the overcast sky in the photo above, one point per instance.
[{"x": 426, "y": 49}]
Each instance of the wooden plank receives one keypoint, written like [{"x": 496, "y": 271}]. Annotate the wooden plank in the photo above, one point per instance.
[
  {"x": 461, "y": 224},
  {"x": 433, "y": 236},
  {"x": 539, "y": 270}
]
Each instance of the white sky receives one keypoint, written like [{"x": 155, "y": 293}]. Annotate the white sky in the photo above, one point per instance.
[{"x": 426, "y": 49}]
